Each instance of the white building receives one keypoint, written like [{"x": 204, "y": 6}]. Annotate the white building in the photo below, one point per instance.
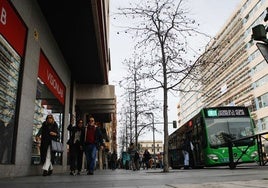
[{"x": 236, "y": 72}]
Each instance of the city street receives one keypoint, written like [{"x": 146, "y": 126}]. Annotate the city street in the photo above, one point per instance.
[{"x": 223, "y": 177}]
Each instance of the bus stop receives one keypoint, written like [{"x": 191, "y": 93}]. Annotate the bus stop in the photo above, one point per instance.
[{"x": 258, "y": 137}]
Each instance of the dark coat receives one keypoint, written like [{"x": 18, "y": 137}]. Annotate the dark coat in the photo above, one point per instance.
[
  {"x": 147, "y": 156},
  {"x": 46, "y": 139},
  {"x": 186, "y": 146},
  {"x": 73, "y": 130}
]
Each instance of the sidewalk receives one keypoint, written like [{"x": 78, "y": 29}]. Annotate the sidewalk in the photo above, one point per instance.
[
  {"x": 128, "y": 179},
  {"x": 233, "y": 184}
]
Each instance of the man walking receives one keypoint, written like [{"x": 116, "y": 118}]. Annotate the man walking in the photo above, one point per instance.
[{"x": 93, "y": 142}]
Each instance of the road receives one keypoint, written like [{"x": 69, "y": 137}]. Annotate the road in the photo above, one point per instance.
[{"x": 252, "y": 176}]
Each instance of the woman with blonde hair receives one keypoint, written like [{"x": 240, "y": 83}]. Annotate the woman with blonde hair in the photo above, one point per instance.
[{"x": 49, "y": 131}]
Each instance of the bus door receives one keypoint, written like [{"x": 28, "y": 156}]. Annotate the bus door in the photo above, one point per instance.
[{"x": 198, "y": 143}]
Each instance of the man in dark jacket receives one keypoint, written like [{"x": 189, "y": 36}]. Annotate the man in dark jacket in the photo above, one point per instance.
[
  {"x": 146, "y": 157},
  {"x": 187, "y": 148}
]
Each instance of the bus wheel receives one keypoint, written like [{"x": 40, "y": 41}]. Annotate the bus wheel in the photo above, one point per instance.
[{"x": 232, "y": 166}]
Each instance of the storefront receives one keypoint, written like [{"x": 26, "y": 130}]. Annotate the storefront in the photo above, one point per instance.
[
  {"x": 12, "y": 48},
  {"x": 30, "y": 89},
  {"x": 50, "y": 99},
  {"x": 43, "y": 72}
]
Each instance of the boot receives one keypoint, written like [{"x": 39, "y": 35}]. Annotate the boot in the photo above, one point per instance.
[
  {"x": 49, "y": 172},
  {"x": 45, "y": 173}
]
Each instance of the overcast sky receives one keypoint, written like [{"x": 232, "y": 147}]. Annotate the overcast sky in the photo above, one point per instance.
[{"x": 211, "y": 14}]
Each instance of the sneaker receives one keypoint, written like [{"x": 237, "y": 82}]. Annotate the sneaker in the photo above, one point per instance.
[
  {"x": 72, "y": 173},
  {"x": 90, "y": 173},
  {"x": 78, "y": 173}
]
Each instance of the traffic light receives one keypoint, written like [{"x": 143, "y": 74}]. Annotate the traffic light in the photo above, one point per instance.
[
  {"x": 259, "y": 33},
  {"x": 174, "y": 124}
]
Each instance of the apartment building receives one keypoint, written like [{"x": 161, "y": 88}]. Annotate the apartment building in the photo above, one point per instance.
[{"x": 234, "y": 73}]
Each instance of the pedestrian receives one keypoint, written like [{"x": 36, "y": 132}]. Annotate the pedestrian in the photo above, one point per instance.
[
  {"x": 76, "y": 142},
  {"x": 140, "y": 161},
  {"x": 146, "y": 157},
  {"x": 160, "y": 159},
  {"x": 93, "y": 142},
  {"x": 114, "y": 160},
  {"x": 187, "y": 148},
  {"x": 48, "y": 131},
  {"x": 132, "y": 152},
  {"x": 137, "y": 160}
]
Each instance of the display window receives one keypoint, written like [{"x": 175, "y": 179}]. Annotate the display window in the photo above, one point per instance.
[
  {"x": 12, "y": 48},
  {"x": 9, "y": 77},
  {"x": 50, "y": 98}
]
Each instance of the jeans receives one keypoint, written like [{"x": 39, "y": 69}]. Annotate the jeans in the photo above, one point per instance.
[
  {"x": 91, "y": 152},
  {"x": 186, "y": 157}
]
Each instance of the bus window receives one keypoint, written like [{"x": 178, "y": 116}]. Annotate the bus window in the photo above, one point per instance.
[{"x": 222, "y": 130}]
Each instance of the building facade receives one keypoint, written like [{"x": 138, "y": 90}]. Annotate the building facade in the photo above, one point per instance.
[
  {"x": 234, "y": 72},
  {"x": 54, "y": 60},
  {"x": 149, "y": 145}
]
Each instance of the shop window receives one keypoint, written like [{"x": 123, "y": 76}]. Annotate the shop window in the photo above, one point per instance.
[
  {"x": 10, "y": 63},
  {"x": 13, "y": 33},
  {"x": 50, "y": 95}
]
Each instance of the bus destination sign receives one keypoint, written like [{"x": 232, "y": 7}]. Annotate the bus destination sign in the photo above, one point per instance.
[{"x": 226, "y": 112}]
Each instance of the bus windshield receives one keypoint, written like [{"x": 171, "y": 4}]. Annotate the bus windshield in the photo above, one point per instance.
[{"x": 222, "y": 130}]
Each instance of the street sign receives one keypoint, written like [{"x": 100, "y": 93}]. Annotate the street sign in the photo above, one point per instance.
[{"x": 264, "y": 50}]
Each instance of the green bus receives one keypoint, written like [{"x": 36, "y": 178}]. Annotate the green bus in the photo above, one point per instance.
[{"x": 211, "y": 131}]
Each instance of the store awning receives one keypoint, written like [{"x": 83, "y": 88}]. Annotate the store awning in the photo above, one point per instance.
[{"x": 96, "y": 100}]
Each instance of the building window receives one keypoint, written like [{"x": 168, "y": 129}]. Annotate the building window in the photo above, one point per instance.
[
  {"x": 263, "y": 100},
  {"x": 264, "y": 123}
]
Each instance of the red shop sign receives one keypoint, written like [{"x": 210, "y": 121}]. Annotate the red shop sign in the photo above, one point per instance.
[
  {"x": 12, "y": 27},
  {"x": 50, "y": 78}
]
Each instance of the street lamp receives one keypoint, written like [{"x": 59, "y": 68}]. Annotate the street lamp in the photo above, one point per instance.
[{"x": 150, "y": 113}]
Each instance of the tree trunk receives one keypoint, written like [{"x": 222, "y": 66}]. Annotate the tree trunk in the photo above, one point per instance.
[
  {"x": 165, "y": 109},
  {"x": 166, "y": 165}
]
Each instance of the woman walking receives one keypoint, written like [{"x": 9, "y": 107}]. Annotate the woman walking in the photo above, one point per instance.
[
  {"x": 76, "y": 142},
  {"x": 48, "y": 131}
]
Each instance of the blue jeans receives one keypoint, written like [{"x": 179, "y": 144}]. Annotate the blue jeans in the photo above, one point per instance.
[{"x": 90, "y": 151}]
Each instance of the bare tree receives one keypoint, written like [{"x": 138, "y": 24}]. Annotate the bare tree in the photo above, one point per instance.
[
  {"x": 140, "y": 100},
  {"x": 163, "y": 31}
]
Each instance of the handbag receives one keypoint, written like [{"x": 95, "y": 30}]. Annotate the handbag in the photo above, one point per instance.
[{"x": 56, "y": 146}]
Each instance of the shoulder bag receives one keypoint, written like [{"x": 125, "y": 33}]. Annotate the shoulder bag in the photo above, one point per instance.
[{"x": 56, "y": 146}]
